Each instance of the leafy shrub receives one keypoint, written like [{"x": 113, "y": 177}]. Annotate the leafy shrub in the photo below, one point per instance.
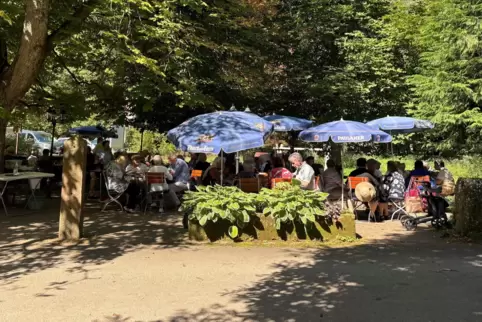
[
  {"x": 215, "y": 203},
  {"x": 292, "y": 204},
  {"x": 283, "y": 186}
]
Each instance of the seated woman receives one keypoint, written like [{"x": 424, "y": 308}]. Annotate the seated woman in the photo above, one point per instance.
[
  {"x": 248, "y": 171},
  {"x": 444, "y": 179},
  {"x": 419, "y": 171},
  {"x": 279, "y": 170},
  {"x": 394, "y": 183},
  {"x": 137, "y": 169},
  {"x": 201, "y": 163},
  {"x": 118, "y": 181},
  {"x": 212, "y": 175},
  {"x": 332, "y": 182},
  {"x": 158, "y": 167},
  {"x": 393, "y": 187}
]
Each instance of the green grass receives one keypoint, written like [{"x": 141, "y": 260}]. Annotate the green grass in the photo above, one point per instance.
[{"x": 465, "y": 167}]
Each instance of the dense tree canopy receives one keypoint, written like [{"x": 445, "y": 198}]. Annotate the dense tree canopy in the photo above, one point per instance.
[{"x": 164, "y": 61}]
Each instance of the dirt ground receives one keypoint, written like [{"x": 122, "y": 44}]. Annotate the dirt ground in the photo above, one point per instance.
[{"x": 142, "y": 268}]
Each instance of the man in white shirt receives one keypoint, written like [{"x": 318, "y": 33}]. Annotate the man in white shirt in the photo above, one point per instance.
[{"x": 304, "y": 172}]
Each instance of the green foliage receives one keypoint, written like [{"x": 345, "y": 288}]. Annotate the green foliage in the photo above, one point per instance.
[
  {"x": 283, "y": 186},
  {"x": 293, "y": 204},
  {"x": 155, "y": 143},
  {"x": 464, "y": 167},
  {"x": 215, "y": 203},
  {"x": 442, "y": 41}
]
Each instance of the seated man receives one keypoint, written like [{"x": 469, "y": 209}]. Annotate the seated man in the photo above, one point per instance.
[
  {"x": 180, "y": 175},
  {"x": 304, "y": 172},
  {"x": 318, "y": 168},
  {"x": 444, "y": 179},
  {"x": 361, "y": 167}
]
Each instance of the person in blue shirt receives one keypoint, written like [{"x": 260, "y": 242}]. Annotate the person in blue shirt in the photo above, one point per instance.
[{"x": 180, "y": 175}]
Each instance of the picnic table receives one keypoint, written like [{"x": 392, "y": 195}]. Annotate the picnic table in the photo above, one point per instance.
[{"x": 34, "y": 179}]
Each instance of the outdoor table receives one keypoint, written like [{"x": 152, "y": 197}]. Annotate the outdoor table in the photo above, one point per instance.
[{"x": 30, "y": 176}]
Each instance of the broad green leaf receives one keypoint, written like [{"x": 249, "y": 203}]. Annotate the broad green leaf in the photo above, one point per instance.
[
  {"x": 233, "y": 231},
  {"x": 202, "y": 220},
  {"x": 246, "y": 218}
]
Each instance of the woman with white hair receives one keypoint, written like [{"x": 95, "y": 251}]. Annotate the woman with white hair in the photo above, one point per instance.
[{"x": 158, "y": 167}]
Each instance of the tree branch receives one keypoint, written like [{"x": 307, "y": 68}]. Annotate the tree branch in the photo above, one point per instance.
[
  {"x": 64, "y": 65},
  {"x": 73, "y": 23}
]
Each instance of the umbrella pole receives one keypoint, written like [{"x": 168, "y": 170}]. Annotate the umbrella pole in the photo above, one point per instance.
[
  {"x": 391, "y": 143},
  {"x": 237, "y": 163},
  {"x": 342, "y": 179},
  {"x": 222, "y": 166}
]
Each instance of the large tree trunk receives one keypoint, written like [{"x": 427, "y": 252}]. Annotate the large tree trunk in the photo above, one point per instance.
[
  {"x": 17, "y": 79},
  {"x": 468, "y": 208}
]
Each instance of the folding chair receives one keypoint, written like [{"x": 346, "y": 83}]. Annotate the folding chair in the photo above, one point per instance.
[
  {"x": 155, "y": 182},
  {"x": 353, "y": 182},
  {"x": 399, "y": 205},
  {"x": 196, "y": 174},
  {"x": 113, "y": 196}
]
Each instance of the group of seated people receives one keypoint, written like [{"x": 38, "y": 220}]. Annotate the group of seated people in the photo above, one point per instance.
[
  {"x": 392, "y": 185},
  {"x": 128, "y": 175},
  {"x": 270, "y": 165}
]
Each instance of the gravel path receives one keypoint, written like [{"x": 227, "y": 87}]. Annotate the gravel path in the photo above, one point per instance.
[{"x": 141, "y": 269}]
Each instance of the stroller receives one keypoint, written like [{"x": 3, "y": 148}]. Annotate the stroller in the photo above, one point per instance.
[{"x": 434, "y": 204}]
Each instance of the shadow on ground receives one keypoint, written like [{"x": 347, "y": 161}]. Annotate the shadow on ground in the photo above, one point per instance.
[
  {"x": 405, "y": 277},
  {"x": 397, "y": 277},
  {"x": 28, "y": 242}
]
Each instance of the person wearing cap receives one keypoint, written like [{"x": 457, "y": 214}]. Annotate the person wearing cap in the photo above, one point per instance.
[{"x": 304, "y": 172}]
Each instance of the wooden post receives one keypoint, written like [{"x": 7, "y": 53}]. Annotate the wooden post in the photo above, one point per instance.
[{"x": 73, "y": 181}]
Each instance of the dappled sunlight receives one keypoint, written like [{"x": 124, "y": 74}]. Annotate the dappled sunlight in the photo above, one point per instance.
[{"x": 29, "y": 244}]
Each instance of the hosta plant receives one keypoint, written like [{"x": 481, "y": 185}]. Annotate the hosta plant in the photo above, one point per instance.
[
  {"x": 215, "y": 203},
  {"x": 293, "y": 204}
]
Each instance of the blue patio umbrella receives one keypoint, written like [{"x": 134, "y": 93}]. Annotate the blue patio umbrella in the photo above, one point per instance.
[
  {"x": 92, "y": 131},
  {"x": 227, "y": 131},
  {"x": 344, "y": 132},
  {"x": 401, "y": 124},
  {"x": 221, "y": 131},
  {"x": 283, "y": 123}
]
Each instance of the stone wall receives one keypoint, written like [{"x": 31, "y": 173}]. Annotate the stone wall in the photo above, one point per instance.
[
  {"x": 468, "y": 207},
  {"x": 264, "y": 228}
]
